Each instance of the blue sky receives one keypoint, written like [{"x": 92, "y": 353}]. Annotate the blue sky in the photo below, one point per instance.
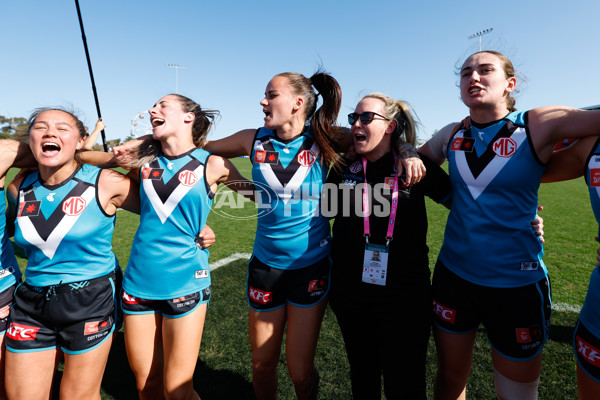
[{"x": 408, "y": 50}]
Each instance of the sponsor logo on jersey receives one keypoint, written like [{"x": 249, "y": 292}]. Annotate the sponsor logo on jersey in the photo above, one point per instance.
[
  {"x": 306, "y": 158},
  {"x": 154, "y": 174},
  {"x": 96, "y": 326},
  {"x": 356, "y": 167},
  {"x": 505, "y": 147},
  {"x": 29, "y": 208},
  {"x": 463, "y": 144},
  {"x": 259, "y": 296},
  {"x": 590, "y": 353},
  {"x": 187, "y": 178},
  {"x": 129, "y": 299},
  {"x": 595, "y": 177},
  {"x": 266, "y": 157},
  {"x": 445, "y": 313},
  {"x": 74, "y": 206},
  {"x": 530, "y": 265},
  {"x": 5, "y": 312},
  {"x": 201, "y": 274},
  {"x": 21, "y": 332},
  {"x": 523, "y": 335}
]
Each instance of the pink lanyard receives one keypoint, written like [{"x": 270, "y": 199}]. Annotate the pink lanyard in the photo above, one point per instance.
[{"x": 393, "y": 211}]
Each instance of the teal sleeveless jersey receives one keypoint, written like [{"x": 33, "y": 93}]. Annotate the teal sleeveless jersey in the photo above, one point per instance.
[
  {"x": 495, "y": 177},
  {"x": 288, "y": 177},
  {"x": 65, "y": 233},
  {"x": 165, "y": 262}
]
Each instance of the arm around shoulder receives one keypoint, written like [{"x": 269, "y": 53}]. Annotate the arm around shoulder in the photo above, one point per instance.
[{"x": 237, "y": 145}]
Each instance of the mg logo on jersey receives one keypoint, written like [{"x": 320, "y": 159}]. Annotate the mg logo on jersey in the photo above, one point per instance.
[
  {"x": 21, "y": 332},
  {"x": 595, "y": 177},
  {"x": 588, "y": 352},
  {"x": 504, "y": 147},
  {"x": 445, "y": 313},
  {"x": 74, "y": 206},
  {"x": 356, "y": 167},
  {"x": 187, "y": 178},
  {"x": 259, "y": 296},
  {"x": 306, "y": 158}
]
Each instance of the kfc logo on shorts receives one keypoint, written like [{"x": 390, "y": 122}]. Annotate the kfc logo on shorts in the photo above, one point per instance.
[
  {"x": 306, "y": 158},
  {"x": 96, "y": 326},
  {"x": 523, "y": 335},
  {"x": 504, "y": 147},
  {"x": 445, "y": 313},
  {"x": 356, "y": 167},
  {"x": 74, "y": 206},
  {"x": 588, "y": 352},
  {"x": 259, "y": 296},
  {"x": 595, "y": 177},
  {"x": 187, "y": 178},
  {"x": 21, "y": 332}
]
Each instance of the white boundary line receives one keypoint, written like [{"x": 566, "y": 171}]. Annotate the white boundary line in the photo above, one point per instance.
[
  {"x": 237, "y": 256},
  {"x": 230, "y": 259},
  {"x": 566, "y": 307}
]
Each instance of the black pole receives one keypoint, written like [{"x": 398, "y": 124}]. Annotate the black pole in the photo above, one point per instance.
[{"x": 87, "y": 56}]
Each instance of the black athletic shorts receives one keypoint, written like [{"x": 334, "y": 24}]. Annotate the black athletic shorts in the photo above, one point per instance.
[
  {"x": 76, "y": 317},
  {"x": 269, "y": 288},
  {"x": 587, "y": 351},
  {"x": 173, "y": 308},
  {"x": 517, "y": 320},
  {"x": 6, "y": 302}
]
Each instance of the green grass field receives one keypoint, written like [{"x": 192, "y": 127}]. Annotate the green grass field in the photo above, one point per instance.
[{"x": 223, "y": 370}]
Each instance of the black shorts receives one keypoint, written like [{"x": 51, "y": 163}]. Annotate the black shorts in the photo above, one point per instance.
[
  {"x": 77, "y": 316},
  {"x": 173, "y": 308},
  {"x": 6, "y": 302},
  {"x": 587, "y": 351},
  {"x": 270, "y": 288},
  {"x": 517, "y": 320}
]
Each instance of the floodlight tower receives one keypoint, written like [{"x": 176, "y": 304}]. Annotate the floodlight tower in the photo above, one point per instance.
[
  {"x": 177, "y": 67},
  {"x": 479, "y": 35}
]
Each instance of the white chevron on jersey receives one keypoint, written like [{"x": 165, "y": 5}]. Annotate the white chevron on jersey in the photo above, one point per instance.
[
  {"x": 49, "y": 246},
  {"x": 163, "y": 210},
  {"x": 285, "y": 193},
  {"x": 477, "y": 185}
]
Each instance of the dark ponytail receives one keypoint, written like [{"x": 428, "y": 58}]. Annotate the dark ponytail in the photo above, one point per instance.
[{"x": 323, "y": 121}]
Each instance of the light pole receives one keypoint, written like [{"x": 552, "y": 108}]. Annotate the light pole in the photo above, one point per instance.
[
  {"x": 177, "y": 67},
  {"x": 479, "y": 35}
]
